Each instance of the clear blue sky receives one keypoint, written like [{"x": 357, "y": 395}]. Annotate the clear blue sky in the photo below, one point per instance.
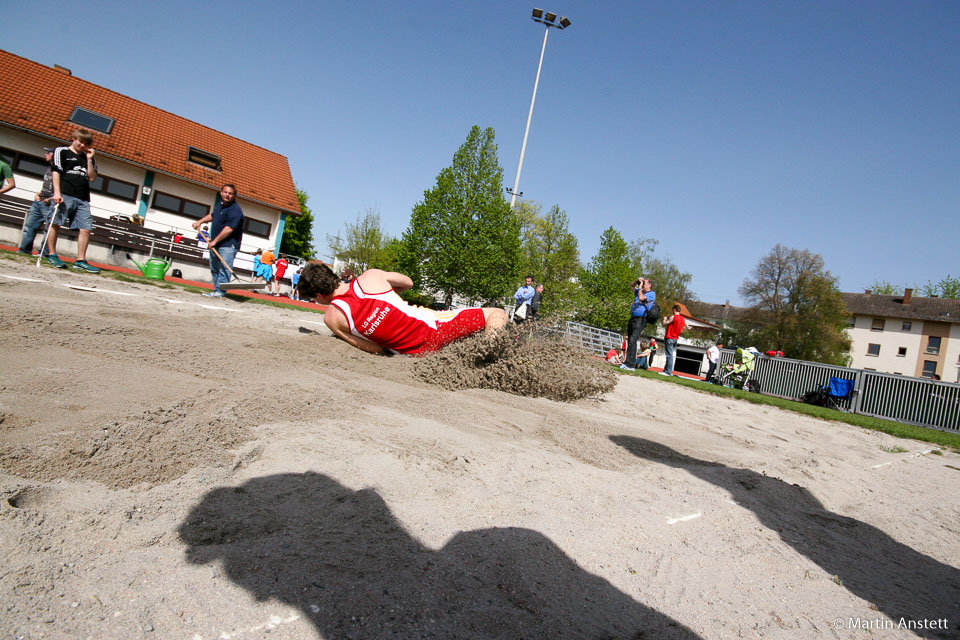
[{"x": 718, "y": 128}]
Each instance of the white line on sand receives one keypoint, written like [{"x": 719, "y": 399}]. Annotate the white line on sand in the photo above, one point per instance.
[
  {"x": 683, "y": 518},
  {"x": 19, "y": 278},
  {"x": 116, "y": 293},
  {"x": 915, "y": 455},
  {"x": 274, "y": 622},
  {"x": 311, "y": 322},
  {"x": 210, "y": 306}
]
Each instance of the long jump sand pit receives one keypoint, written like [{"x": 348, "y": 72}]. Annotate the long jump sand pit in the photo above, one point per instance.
[{"x": 172, "y": 467}]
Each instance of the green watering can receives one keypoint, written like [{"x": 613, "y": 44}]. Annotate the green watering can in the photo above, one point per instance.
[{"x": 154, "y": 268}]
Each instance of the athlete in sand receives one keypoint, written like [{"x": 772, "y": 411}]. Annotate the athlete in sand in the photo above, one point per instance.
[{"x": 368, "y": 313}]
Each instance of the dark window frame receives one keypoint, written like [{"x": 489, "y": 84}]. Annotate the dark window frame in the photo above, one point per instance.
[
  {"x": 15, "y": 161},
  {"x": 247, "y": 227},
  {"x": 873, "y": 324},
  {"x": 870, "y": 348},
  {"x": 927, "y": 370},
  {"x": 934, "y": 350},
  {"x": 902, "y": 352},
  {"x": 107, "y": 180},
  {"x": 907, "y": 325},
  {"x": 204, "y": 158},
  {"x": 79, "y": 109},
  {"x": 180, "y": 211}
]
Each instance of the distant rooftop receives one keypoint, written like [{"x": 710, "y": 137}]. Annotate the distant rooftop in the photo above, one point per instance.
[{"x": 918, "y": 307}]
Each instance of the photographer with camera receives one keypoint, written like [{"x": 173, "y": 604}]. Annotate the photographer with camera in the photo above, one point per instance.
[{"x": 643, "y": 299}]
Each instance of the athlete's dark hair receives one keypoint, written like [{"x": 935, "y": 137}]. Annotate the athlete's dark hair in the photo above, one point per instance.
[
  {"x": 317, "y": 279},
  {"x": 231, "y": 186}
]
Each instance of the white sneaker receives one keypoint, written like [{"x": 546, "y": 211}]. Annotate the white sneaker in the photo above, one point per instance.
[{"x": 664, "y": 373}]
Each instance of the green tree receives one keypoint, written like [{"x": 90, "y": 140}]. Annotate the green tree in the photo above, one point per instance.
[
  {"x": 298, "y": 232},
  {"x": 948, "y": 287},
  {"x": 797, "y": 303},
  {"x": 605, "y": 284},
  {"x": 364, "y": 244},
  {"x": 551, "y": 254},
  {"x": 884, "y": 288},
  {"x": 463, "y": 238}
]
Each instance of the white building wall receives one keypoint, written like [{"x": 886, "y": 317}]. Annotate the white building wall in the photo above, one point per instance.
[
  {"x": 890, "y": 339},
  {"x": 951, "y": 363}
]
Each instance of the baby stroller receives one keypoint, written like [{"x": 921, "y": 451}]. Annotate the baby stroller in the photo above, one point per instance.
[
  {"x": 832, "y": 395},
  {"x": 737, "y": 375}
]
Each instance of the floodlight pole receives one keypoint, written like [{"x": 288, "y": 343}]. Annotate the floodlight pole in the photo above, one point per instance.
[{"x": 523, "y": 147}]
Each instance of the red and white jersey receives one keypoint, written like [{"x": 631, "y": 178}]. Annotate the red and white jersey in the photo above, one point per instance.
[{"x": 386, "y": 319}]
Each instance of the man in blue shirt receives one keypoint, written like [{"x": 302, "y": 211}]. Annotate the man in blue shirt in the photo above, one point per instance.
[
  {"x": 643, "y": 299},
  {"x": 226, "y": 233},
  {"x": 524, "y": 295}
]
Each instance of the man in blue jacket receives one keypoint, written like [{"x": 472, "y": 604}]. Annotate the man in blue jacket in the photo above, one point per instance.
[
  {"x": 643, "y": 299},
  {"x": 524, "y": 295},
  {"x": 226, "y": 233}
]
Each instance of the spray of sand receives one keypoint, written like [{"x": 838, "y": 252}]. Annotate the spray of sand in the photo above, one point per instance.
[{"x": 527, "y": 363}]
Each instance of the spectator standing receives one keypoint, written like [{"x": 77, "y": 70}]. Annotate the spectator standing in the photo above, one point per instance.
[
  {"x": 40, "y": 209},
  {"x": 226, "y": 233},
  {"x": 523, "y": 296},
  {"x": 267, "y": 258},
  {"x": 6, "y": 177},
  {"x": 295, "y": 282},
  {"x": 281, "y": 268},
  {"x": 675, "y": 324},
  {"x": 713, "y": 357},
  {"x": 74, "y": 168},
  {"x": 535, "y": 302},
  {"x": 643, "y": 299}
]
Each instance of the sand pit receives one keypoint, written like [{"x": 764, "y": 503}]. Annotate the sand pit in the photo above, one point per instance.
[{"x": 172, "y": 467}]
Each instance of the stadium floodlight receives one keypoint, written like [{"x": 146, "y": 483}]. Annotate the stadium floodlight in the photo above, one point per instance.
[{"x": 549, "y": 20}]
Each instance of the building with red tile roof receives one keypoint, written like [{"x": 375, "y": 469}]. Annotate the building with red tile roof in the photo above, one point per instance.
[{"x": 141, "y": 134}]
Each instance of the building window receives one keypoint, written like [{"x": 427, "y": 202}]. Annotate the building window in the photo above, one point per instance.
[
  {"x": 877, "y": 324},
  {"x": 852, "y": 321},
  {"x": 902, "y": 352},
  {"x": 933, "y": 345},
  {"x": 873, "y": 349},
  {"x": 907, "y": 325},
  {"x": 256, "y": 227},
  {"x": 24, "y": 163},
  {"x": 204, "y": 158},
  {"x": 173, "y": 204},
  {"x": 115, "y": 188},
  {"x": 91, "y": 120},
  {"x": 929, "y": 368}
]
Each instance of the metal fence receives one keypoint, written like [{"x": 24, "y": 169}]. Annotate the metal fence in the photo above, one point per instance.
[{"x": 919, "y": 401}]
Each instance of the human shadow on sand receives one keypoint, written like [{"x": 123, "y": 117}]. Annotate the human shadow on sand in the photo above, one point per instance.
[
  {"x": 347, "y": 563},
  {"x": 899, "y": 581}
]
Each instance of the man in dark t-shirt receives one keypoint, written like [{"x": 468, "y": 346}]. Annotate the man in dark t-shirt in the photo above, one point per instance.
[
  {"x": 74, "y": 168},
  {"x": 40, "y": 209},
  {"x": 226, "y": 233}
]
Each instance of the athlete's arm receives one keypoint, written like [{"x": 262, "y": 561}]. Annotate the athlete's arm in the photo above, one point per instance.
[{"x": 337, "y": 323}]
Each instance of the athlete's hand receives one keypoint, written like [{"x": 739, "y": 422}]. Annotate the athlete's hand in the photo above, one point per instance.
[{"x": 90, "y": 153}]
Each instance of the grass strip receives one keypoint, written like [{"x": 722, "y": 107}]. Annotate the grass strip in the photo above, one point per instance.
[{"x": 892, "y": 427}]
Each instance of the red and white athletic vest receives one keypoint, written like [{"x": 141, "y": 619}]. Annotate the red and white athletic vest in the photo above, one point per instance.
[{"x": 384, "y": 318}]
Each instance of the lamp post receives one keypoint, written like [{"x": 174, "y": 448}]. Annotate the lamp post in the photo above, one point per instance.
[{"x": 549, "y": 20}]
